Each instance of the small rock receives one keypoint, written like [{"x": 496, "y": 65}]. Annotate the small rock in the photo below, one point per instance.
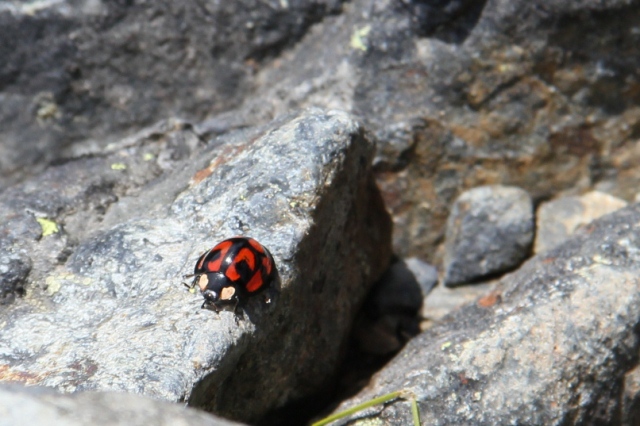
[
  {"x": 556, "y": 220},
  {"x": 426, "y": 275},
  {"x": 489, "y": 230},
  {"x": 39, "y": 406}
]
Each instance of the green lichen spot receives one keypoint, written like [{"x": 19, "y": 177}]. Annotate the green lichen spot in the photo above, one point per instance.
[
  {"x": 49, "y": 227},
  {"x": 118, "y": 166},
  {"x": 148, "y": 156},
  {"x": 358, "y": 38}
]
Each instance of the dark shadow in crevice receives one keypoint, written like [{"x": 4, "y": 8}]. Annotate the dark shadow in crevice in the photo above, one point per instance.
[
  {"x": 389, "y": 317},
  {"x": 450, "y": 21}
]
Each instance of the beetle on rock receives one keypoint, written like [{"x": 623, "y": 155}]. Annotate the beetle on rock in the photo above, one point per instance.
[{"x": 231, "y": 271}]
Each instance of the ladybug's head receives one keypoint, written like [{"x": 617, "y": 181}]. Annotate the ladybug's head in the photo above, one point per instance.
[{"x": 216, "y": 289}]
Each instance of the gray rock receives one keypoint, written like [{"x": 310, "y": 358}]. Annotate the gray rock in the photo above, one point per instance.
[
  {"x": 490, "y": 230},
  {"x": 458, "y": 94},
  {"x": 444, "y": 300},
  {"x": 426, "y": 275},
  {"x": 630, "y": 406},
  {"x": 77, "y": 75},
  {"x": 539, "y": 94},
  {"x": 14, "y": 269},
  {"x": 556, "y": 220},
  {"x": 553, "y": 348},
  {"x": 43, "y": 406},
  {"x": 105, "y": 308}
]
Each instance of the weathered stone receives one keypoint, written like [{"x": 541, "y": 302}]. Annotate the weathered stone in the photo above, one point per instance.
[
  {"x": 556, "y": 220},
  {"x": 490, "y": 230},
  {"x": 43, "y": 406},
  {"x": 444, "y": 300},
  {"x": 540, "y": 94},
  {"x": 552, "y": 348},
  {"x": 109, "y": 312},
  {"x": 75, "y": 76},
  {"x": 630, "y": 406},
  {"x": 536, "y": 94},
  {"x": 14, "y": 268},
  {"x": 426, "y": 275},
  {"x": 455, "y": 94}
]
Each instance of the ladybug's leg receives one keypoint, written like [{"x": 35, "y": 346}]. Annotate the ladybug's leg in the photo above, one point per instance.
[
  {"x": 210, "y": 306},
  {"x": 186, "y": 277},
  {"x": 237, "y": 309}
]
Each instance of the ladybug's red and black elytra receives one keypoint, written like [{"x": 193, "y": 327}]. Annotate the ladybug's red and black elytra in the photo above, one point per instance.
[{"x": 231, "y": 271}]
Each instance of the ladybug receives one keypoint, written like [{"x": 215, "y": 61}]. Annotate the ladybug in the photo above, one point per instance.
[{"x": 231, "y": 271}]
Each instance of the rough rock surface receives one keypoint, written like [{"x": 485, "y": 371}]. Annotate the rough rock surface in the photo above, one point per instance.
[
  {"x": 539, "y": 94},
  {"x": 631, "y": 398},
  {"x": 43, "y": 406},
  {"x": 77, "y": 75},
  {"x": 444, "y": 300},
  {"x": 556, "y": 220},
  {"x": 550, "y": 347},
  {"x": 490, "y": 230},
  {"x": 105, "y": 310}
]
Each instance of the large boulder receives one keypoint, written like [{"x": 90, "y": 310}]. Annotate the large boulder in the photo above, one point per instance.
[
  {"x": 550, "y": 345},
  {"x": 106, "y": 310}
]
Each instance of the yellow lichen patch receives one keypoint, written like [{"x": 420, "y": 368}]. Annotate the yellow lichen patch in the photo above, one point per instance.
[
  {"x": 118, "y": 166},
  {"x": 148, "y": 156},
  {"x": 47, "y": 109},
  {"x": 49, "y": 227},
  {"x": 54, "y": 282},
  {"x": 359, "y": 38},
  {"x": 53, "y": 285}
]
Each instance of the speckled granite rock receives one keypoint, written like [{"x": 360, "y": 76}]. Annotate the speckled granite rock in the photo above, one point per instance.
[
  {"x": 490, "y": 230},
  {"x": 556, "y": 220},
  {"x": 105, "y": 309},
  {"x": 551, "y": 347},
  {"x": 43, "y": 406}
]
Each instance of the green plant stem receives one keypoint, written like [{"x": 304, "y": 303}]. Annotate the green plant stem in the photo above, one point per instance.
[
  {"x": 379, "y": 400},
  {"x": 414, "y": 412},
  {"x": 359, "y": 407}
]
